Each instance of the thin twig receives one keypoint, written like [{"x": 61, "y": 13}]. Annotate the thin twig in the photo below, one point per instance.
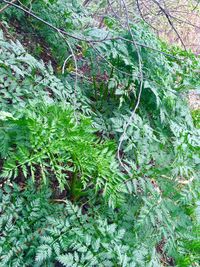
[
  {"x": 142, "y": 16},
  {"x": 185, "y": 22},
  {"x": 196, "y": 6},
  {"x": 85, "y": 39},
  {"x": 86, "y": 2},
  {"x": 168, "y": 17},
  {"x": 6, "y": 6},
  {"x": 111, "y": 7},
  {"x": 76, "y": 71},
  {"x": 51, "y": 25},
  {"x": 122, "y": 138},
  {"x": 64, "y": 64}
]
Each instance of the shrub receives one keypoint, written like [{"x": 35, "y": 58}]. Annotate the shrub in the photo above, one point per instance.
[
  {"x": 142, "y": 211},
  {"x": 48, "y": 141}
]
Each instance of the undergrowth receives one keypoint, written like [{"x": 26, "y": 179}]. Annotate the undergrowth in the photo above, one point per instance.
[{"x": 65, "y": 198}]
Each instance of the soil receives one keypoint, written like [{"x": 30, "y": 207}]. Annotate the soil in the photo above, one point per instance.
[{"x": 34, "y": 43}]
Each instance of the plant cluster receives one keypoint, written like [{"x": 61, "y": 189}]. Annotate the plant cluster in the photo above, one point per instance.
[{"x": 70, "y": 194}]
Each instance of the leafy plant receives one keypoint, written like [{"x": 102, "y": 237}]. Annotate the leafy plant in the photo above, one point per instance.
[
  {"x": 196, "y": 117},
  {"x": 140, "y": 209},
  {"x": 33, "y": 234},
  {"x": 49, "y": 142}
]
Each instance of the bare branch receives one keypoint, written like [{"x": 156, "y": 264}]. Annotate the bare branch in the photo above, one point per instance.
[
  {"x": 64, "y": 64},
  {"x": 86, "y": 2},
  {"x": 6, "y": 6},
  {"x": 60, "y": 31},
  {"x": 141, "y": 15},
  {"x": 123, "y": 136},
  {"x": 185, "y": 22},
  {"x": 168, "y": 17},
  {"x": 196, "y": 6},
  {"x": 112, "y": 9},
  {"x": 76, "y": 71}
]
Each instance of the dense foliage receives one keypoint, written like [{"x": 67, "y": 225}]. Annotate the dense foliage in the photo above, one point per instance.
[{"x": 83, "y": 181}]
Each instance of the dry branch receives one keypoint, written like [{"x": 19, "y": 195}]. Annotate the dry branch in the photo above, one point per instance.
[
  {"x": 107, "y": 38},
  {"x": 6, "y": 6}
]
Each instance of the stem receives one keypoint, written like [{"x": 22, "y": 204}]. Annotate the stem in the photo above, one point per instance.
[{"x": 73, "y": 186}]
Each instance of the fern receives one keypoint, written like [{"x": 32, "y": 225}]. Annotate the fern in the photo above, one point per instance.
[
  {"x": 49, "y": 141},
  {"x": 109, "y": 218}
]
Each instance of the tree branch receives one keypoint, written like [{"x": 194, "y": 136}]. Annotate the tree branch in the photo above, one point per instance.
[
  {"x": 60, "y": 31},
  {"x": 6, "y": 6},
  {"x": 168, "y": 17}
]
